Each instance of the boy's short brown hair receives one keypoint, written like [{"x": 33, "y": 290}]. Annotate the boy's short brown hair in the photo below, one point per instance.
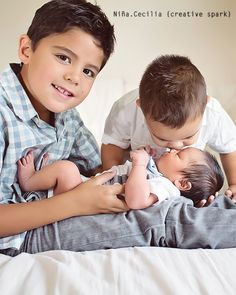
[
  {"x": 59, "y": 16},
  {"x": 172, "y": 91}
]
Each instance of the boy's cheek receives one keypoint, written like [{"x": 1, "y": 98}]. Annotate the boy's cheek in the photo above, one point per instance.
[{"x": 191, "y": 141}]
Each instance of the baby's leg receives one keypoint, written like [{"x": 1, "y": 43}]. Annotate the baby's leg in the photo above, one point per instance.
[{"x": 61, "y": 175}]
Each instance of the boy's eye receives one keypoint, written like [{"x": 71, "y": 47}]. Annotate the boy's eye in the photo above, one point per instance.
[
  {"x": 163, "y": 140},
  {"x": 89, "y": 73},
  {"x": 65, "y": 59},
  {"x": 189, "y": 137}
]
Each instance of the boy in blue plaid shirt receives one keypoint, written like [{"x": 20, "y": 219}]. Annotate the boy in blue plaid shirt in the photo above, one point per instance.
[{"x": 65, "y": 48}]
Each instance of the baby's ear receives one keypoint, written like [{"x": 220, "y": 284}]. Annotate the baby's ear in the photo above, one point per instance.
[
  {"x": 25, "y": 49},
  {"x": 183, "y": 184}
]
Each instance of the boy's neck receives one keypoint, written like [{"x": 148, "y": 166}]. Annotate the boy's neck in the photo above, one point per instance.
[{"x": 48, "y": 117}]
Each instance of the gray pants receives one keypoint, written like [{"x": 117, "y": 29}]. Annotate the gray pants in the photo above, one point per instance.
[{"x": 173, "y": 223}]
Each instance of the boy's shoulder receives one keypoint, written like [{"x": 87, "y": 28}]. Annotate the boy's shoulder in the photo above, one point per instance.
[
  {"x": 127, "y": 99},
  {"x": 213, "y": 110},
  {"x": 213, "y": 104}
]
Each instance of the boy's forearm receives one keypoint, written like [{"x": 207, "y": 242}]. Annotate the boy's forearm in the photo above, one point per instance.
[
  {"x": 137, "y": 190},
  {"x": 88, "y": 198},
  {"x": 112, "y": 155},
  {"x": 229, "y": 165},
  {"x": 16, "y": 218}
]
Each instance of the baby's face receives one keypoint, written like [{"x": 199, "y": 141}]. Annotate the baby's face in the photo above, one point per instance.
[
  {"x": 174, "y": 138},
  {"x": 172, "y": 163}
]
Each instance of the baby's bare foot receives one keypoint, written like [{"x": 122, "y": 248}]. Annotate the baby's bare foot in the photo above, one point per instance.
[{"x": 25, "y": 170}]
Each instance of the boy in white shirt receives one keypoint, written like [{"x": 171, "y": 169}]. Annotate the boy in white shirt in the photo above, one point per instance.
[{"x": 170, "y": 110}]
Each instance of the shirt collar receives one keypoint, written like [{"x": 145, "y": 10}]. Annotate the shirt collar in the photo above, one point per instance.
[
  {"x": 15, "y": 93},
  {"x": 152, "y": 168}
]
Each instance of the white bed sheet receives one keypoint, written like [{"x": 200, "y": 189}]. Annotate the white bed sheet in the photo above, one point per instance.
[{"x": 124, "y": 271}]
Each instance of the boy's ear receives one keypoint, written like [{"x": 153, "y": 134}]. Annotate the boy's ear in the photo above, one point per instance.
[
  {"x": 183, "y": 184},
  {"x": 25, "y": 49},
  {"x": 138, "y": 102}
]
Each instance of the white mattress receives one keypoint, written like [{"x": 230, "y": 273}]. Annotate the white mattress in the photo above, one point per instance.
[{"x": 128, "y": 271}]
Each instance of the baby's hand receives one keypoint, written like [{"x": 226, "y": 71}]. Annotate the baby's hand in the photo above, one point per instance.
[
  {"x": 139, "y": 157},
  {"x": 151, "y": 151}
]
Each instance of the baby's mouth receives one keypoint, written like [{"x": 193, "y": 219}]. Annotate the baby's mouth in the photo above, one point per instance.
[{"x": 63, "y": 90}]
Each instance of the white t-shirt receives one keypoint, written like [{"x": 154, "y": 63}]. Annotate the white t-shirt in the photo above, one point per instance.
[
  {"x": 159, "y": 185},
  {"x": 126, "y": 127}
]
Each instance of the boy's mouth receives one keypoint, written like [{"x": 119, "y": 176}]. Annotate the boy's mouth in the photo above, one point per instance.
[{"x": 63, "y": 90}]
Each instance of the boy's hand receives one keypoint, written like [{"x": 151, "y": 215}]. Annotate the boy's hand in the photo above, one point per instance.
[
  {"x": 92, "y": 197},
  {"x": 205, "y": 203},
  {"x": 231, "y": 192},
  {"x": 139, "y": 157}
]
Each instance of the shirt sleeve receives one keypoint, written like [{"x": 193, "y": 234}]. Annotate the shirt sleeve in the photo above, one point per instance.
[
  {"x": 3, "y": 199},
  {"x": 119, "y": 122},
  {"x": 223, "y": 135},
  {"x": 85, "y": 151},
  {"x": 163, "y": 188}
]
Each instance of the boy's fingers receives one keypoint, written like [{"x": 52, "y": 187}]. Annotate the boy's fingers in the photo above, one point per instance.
[
  {"x": 120, "y": 206},
  {"x": 210, "y": 200},
  {"x": 118, "y": 189},
  {"x": 201, "y": 204},
  {"x": 228, "y": 193},
  {"x": 104, "y": 177}
]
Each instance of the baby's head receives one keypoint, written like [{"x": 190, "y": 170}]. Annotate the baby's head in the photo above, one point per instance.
[
  {"x": 172, "y": 96},
  {"x": 60, "y": 16},
  {"x": 195, "y": 173}
]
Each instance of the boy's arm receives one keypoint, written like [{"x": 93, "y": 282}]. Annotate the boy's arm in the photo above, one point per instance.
[
  {"x": 137, "y": 189},
  {"x": 112, "y": 155},
  {"x": 90, "y": 197},
  {"x": 117, "y": 136},
  {"x": 229, "y": 164}
]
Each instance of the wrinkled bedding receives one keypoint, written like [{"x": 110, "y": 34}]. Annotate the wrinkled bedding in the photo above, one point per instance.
[{"x": 121, "y": 271}]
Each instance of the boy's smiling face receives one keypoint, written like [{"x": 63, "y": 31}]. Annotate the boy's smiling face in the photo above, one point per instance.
[{"x": 60, "y": 72}]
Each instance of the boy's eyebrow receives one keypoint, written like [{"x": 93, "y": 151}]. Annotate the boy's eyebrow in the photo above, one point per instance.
[{"x": 70, "y": 52}]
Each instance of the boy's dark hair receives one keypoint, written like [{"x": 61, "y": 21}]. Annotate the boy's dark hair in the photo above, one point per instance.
[
  {"x": 206, "y": 179},
  {"x": 59, "y": 16},
  {"x": 172, "y": 91}
]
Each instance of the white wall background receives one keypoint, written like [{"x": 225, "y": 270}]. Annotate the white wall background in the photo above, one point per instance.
[{"x": 209, "y": 42}]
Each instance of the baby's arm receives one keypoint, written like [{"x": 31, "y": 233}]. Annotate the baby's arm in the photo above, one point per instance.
[
  {"x": 137, "y": 190},
  {"x": 229, "y": 164}
]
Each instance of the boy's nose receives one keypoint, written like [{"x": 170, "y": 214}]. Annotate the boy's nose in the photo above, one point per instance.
[
  {"x": 173, "y": 151},
  {"x": 177, "y": 145},
  {"x": 73, "y": 78}
]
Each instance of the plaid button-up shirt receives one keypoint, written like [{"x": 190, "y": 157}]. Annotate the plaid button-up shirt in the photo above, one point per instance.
[{"x": 22, "y": 130}]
